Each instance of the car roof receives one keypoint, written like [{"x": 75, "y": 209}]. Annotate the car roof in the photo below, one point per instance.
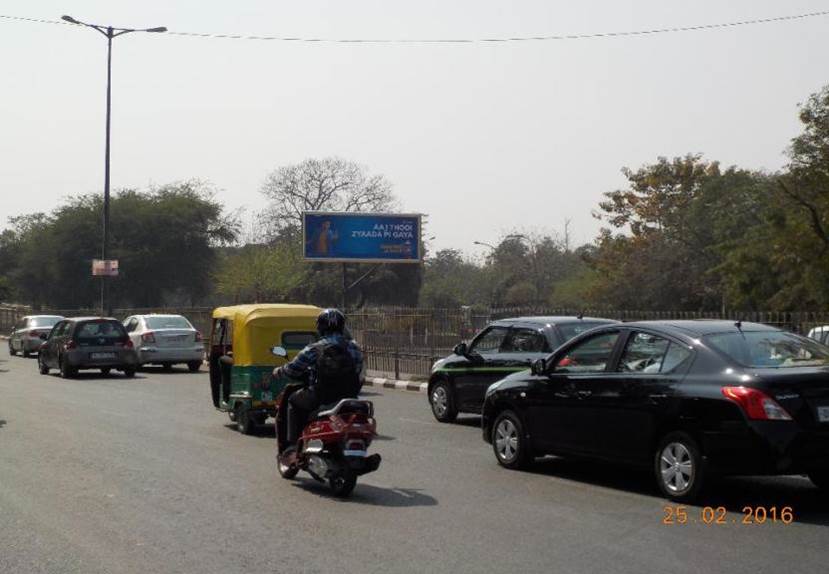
[
  {"x": 91, "y": 318},
  {"x": 38, "y": 316},
  {"x": 544, "y": 320},
  {"x": 702, "y": 327}
]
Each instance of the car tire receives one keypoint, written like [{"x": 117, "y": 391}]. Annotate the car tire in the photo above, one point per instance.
[
  {"x": 66, "y": 371},
  {"x": 26, "y": 354},
  {"x": 194, "y": 366},
  {"x": 244, "y": 421},
  {"x": 41, "y": 366},
  {"x": 12, "y": 352},
  {"x": 442, "y": 402},
  {"x": 509, "y": 441},
  {"x": 820, "y": 478},
  {"x": 129, "y": 372},
  {"x": 679, "y": 467}
]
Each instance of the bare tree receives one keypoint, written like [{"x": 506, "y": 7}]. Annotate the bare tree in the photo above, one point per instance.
[{"x": 331, "y": 183}]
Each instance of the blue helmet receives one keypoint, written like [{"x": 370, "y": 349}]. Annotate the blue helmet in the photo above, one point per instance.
[{"x": 330, "y": 322}]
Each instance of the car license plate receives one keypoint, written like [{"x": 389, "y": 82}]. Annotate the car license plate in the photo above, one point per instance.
[
  {"x": 267, "y": 396},
  {"x": 823, "y": 414},
  {"x": 101, "y": 355}
]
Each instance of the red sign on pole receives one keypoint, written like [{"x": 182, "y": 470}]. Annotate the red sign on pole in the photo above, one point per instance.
[{"x": 105, "y": 268}]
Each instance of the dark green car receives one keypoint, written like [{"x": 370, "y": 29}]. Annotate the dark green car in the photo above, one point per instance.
[{"x": 458, "y": 382}]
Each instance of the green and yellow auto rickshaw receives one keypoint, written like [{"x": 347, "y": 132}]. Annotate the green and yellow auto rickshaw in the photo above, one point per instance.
[{"x": 241, "y": 361}]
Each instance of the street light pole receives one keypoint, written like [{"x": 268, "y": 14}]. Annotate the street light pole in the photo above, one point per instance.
[{"x": 110, "y": 33}]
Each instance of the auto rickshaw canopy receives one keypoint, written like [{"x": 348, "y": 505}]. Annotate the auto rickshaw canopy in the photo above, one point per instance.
[{"x": 258, "y": 327}]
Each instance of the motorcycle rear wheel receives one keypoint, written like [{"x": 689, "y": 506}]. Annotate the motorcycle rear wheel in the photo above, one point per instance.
[{"x": 342, "y": 483}]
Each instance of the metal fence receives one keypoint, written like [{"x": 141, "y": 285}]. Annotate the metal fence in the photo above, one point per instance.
[{"x": 406, "y": 341}]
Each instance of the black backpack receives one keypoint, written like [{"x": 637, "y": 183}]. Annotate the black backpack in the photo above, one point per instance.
[{"x": 337, "y": 376}]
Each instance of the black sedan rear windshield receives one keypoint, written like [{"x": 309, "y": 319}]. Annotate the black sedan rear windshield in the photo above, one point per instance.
[
  {"x": 770, "y": 349},
  {"x": 99, "y": 332}
]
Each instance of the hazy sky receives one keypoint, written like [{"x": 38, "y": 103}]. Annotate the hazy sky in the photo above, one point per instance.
[{"x": 483, "y": 138}]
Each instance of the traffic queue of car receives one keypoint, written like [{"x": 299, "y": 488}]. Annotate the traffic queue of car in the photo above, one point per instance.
[
  {"x": 70, "y": 345},
  {"x": 691, "y": 400}
]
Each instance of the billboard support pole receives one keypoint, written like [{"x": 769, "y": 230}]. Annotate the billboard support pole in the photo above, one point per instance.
[{"x": 344, "y": 291}]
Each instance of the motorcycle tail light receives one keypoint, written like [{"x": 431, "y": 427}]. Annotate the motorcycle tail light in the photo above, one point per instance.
[{"x": 756, "y": 404}]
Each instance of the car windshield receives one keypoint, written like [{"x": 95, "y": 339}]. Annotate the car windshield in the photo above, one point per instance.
[
  {"x": 43, "y": 321},
  {"x": 99, "y": 332},
  {"x": 770, "y": 349},
  {"x": 570, "y": 330},
  {"x": 167, "y": 322}
]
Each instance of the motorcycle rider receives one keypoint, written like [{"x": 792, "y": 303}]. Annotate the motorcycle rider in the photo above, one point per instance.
[{"x": 331, "y": 367}]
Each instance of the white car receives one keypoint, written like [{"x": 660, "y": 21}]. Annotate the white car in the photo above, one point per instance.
[
  {"x": 165, "y": 340},
  {"x": 820, "y": 334}
]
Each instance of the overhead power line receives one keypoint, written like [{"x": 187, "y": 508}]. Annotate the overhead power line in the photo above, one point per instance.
[{"x": 588, "y": 36}]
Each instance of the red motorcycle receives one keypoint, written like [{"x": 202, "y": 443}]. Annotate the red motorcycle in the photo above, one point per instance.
[{"x": 333, "y": 445}]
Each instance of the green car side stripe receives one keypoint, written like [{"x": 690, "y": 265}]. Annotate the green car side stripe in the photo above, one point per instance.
[{"x": 480, "y": 369}]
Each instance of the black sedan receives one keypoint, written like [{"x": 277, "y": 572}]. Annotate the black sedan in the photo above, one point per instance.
[
  {"x": 689, "y": 399},
  {"x": 459, "y": 381}
]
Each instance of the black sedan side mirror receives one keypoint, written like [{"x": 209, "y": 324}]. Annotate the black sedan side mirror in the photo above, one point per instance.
[
  {"x": 539, "y": 367},
  {"x": 460, "y": 350}
]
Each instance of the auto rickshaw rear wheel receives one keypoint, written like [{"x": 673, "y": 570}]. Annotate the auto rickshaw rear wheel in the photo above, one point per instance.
[{"x": 244, "y": 421}]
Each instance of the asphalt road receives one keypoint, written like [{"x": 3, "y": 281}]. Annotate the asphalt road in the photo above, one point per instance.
[{"x": 116, "y": 475}]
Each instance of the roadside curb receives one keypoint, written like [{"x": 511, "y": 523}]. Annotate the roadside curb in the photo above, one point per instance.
[{"x": 393, "y": 384}]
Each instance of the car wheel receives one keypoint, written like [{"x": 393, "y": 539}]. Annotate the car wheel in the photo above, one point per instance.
[
  {"x": 66, "y": 371},
  {"x": 26, "y": 354},
  {"x": 244, "y": 420},
  {"x": 442, "y": 402},
  {"x": 129, "y": 372},
  {"x": 105, "y": 371},
  {"x": 820, "y": 478},
  {"x": 12, "y": 352},
  {"x": 679, "y": 467},
  {"x": 42, "y": 366},
  {"x": 510, "y": 442},
  {"x": 194, "y": 366}
]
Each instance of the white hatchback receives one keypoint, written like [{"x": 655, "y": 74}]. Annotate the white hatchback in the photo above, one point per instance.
[{"x": 165, "y": 340}]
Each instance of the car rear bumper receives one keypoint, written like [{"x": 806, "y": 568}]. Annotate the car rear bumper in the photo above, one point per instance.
[
  {"x": 83, "y": 358},
  {"x": 177, "y": 355},
  {"x": 768, "y": 447},
  {"x": 31, "y": 345}
]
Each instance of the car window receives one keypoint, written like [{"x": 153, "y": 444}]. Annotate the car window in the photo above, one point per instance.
[
  {"x": 58, "y": 329},
  {"x": 646, "y": 353},
  {"x": 130, "y": 324},
  {"x": 776, "y": 349},
  {"x": 524, "y": 341},
  {"x": 570, "y": 330},
  {"x": 589, "y": 356},
  {"x": 99, "y": 332},
  {"x": 490, "y": 341},
  {"x": 167, "y": 322},
  {"x": 44, "y": 321}
]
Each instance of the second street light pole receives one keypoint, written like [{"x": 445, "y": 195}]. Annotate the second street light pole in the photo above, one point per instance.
[{"x": 110, "y": 33}]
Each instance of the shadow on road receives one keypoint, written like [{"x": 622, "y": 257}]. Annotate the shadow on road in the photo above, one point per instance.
[
  {"x": 2, "y": 423},
  {"x": 368, "y": 494},
  {"x": 468, "y": 421},
  {"x": 180, "y": 370},
  {"x": 808, "y": 504},
  {"x": 267, "y": 430}
]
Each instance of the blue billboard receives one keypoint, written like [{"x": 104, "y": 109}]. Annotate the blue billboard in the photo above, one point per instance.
[{"x": 361, "y": 237}]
